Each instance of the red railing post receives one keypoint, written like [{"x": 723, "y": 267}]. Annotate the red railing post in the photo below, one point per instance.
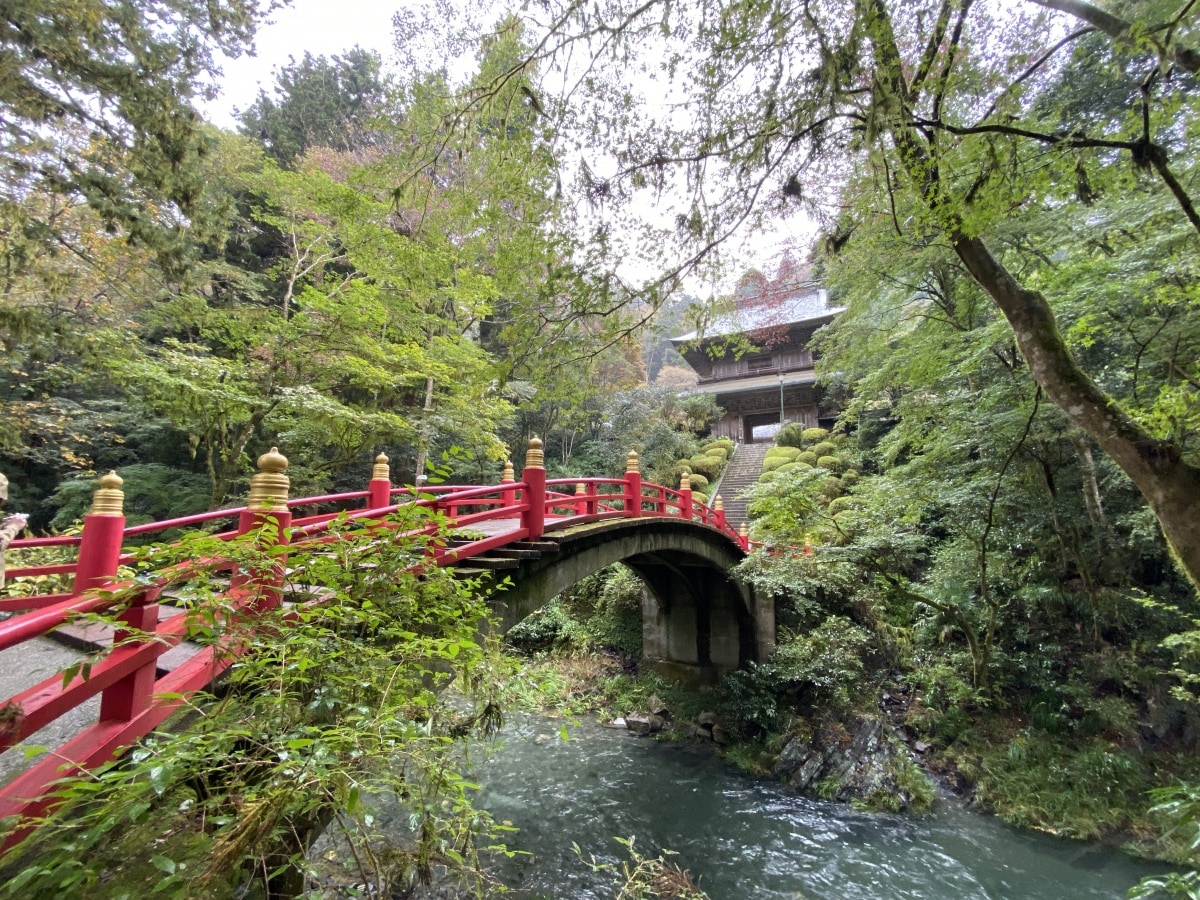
[
  {"x": 719, "y": 512},
  {"x": 130, "y": 696},
  {"x": 379, "y": 488},
  {"x": 580, "y": 498},
  {"x": 593, "y": 501},
  {"x": 534, "y": 476},
  {"x": 267, "y": 505},
  {"x": 633, "y": 485},
  {"x": 744, "y": 537},
  {"x": 508, "y": 497},
  {"x": 685, "y": 496},
  {"x": 103, "y": 529}
]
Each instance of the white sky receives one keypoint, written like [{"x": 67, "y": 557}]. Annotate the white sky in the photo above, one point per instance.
[{"x": 322, "y": 27}]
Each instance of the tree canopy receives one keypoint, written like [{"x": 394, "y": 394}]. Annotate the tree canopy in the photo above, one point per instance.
[{"x": 944, "y": 121}]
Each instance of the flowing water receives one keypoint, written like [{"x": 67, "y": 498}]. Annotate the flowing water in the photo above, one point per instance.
[{"x": 744, "y": 838}]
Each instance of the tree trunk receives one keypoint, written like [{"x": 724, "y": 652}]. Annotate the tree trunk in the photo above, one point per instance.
[
  {"x": 1170, "y": 485},
  {"x": 423, "y": 445}
]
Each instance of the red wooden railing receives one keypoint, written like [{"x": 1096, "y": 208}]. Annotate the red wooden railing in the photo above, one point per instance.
[{"x": 134, "y": 699}]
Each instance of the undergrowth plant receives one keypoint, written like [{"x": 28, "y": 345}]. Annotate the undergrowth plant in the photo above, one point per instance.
[{"x": 335, "y": 704}]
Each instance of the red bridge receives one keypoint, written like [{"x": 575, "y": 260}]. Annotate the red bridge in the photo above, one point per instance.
[{"x": 543, "y": 534}]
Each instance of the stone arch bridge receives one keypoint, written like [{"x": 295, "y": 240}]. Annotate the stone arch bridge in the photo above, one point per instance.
[{"x": 699, "y": 621}]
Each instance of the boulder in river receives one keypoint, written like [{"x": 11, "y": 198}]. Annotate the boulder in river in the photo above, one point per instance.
[
  {"x": 857, "y": 759},
  {"x": 638, "y": 723}
]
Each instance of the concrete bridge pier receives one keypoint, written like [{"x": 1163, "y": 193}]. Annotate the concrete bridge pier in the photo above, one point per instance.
[{"x": 699, "y": 624}]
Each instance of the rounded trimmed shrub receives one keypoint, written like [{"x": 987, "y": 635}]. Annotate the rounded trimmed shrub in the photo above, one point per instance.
[
  {"x": 707, "y": 466},
  {"x": 769, "y": 475},
  {"x": 840, "y": 504},
  {"x": 791, "y": 435},
  {"x": 786, "y": 467},
  {"x": 850, "y": 477},
  {"x": 788, "y": 453},
  {"x": 698, "y": 481},
  {"x": 831, "y": 489},
  {"x": 771, "y": 463},
  {"x": 825, "y": 448},
  {"x": 832, "y": 463},
  {"x": 813, "y": 435},
  {"x": 807, "y": 457}
]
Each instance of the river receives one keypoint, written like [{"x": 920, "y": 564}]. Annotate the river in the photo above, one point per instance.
[{"x": 744, "y": 838}]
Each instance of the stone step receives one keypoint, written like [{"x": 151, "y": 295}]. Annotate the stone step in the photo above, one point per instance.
[
  {"x": 492, "y": 562},
  {"x": 540, "y": 546}
]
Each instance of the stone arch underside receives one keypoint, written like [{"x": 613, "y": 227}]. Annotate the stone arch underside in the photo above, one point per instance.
[{"x": 696, "y": 617}]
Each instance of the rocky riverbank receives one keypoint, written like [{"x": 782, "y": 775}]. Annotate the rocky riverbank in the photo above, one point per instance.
[{"x": 858, "y": 758}]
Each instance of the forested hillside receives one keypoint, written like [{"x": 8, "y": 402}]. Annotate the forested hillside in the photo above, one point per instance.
[{"x": 437, "y": 266}]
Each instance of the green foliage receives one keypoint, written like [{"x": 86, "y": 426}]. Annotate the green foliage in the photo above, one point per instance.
[
  {"x": 788, "y": 453},
  {"x": 153, "y": 492},
  {"x": 832, "y": 463},
  {"x": 319, "y": 102},
  {"x": 810, "y": 436},
  {"x": 697, "y": 481},
  {"x": 339, "y": 700},
  {"x": 708, "y": 466},
  {"x": 1180, "y": 806},
  {"x": 829, "y": 661},
  {"x": 646, "y": 878},
  {"x": 822, "y": 668},
  {"x": 99, "y": 103},
  {"x": 791, "y": 435},
  {"x": 603, "y": 611},
  {"x": 1081, "y": 791}
]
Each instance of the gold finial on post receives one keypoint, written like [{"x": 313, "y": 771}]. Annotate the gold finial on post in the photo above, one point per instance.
[
  {"x": 631, "y": 462},
  {"x": 269, "y": 488},
  {"x": 534, "y": 457},
  {"x": 743, "y": 532},
  {"x": 580, "y": 489},
  {"x": 719, "y": 504},
  {"x": 509, "y": 475},
  {"x": 685, "y": 481},
  {"x": 109, "y": 499},
  {"x": 381, "y": 470}
]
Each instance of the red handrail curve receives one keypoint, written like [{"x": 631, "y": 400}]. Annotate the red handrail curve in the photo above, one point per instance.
[{"x": 135, "y": 700}]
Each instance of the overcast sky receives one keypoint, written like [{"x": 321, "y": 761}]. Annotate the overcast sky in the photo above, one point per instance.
[{"x": 322, "y": 27}]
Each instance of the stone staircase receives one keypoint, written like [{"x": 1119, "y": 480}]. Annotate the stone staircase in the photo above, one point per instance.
[{"x": 741, "y": 473}]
